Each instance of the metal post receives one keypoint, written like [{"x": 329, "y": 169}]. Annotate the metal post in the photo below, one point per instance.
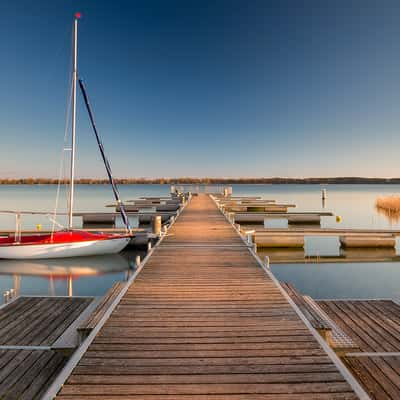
[
  {"x": 73, "y": 125},
  {"x": 156, "y": 225},
  {"x": 5, "y": 297},
  {"x": 137, "y": 261},
  {"x": 149, "y": 245},
  {"x": 266, "y": 262},
  {"x": 249, "y": 238}
]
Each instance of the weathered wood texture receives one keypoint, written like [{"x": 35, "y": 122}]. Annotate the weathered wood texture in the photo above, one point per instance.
[
  {"x": 26, "y": 374},
  {"x": 375, "y": 326},
  {"x": 86, "y": 327},
  {"x": 379, "y": 375},
  {"x": 203, "y": 321},
  {"x": 38, "y": 321}
]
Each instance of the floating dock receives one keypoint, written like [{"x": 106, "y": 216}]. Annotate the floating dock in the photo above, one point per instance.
[
  {"x": 291, "y": 255},
  {"x": 356, "y": 238},
  {"x": 291, "y": 217},
  {"x": 203, "y": 319},
  {"x": 36, "y": 335},
  {"x": 375, "y": 326},
  {"x": 364, "y": 333}
]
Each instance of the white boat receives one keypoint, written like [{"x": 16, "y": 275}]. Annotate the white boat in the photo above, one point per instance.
[
  {"x": 62, "y": 244},
  {"x": 69, "y": 242}
]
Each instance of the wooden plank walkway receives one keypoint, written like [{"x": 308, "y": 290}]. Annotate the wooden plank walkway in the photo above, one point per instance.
[
  {"x": 379, "y": 374},
  {"x": 38, "y": 321},
  {"x": 26, "y": 374},
  {"x": 375, "y": 326},
  {"x": 29, "y": 326},
  {"x": 203, "y": 321}
]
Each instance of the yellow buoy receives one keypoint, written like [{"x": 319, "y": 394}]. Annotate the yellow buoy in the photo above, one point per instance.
[
  {"x": 39, "y": 227},
  {"x": 338, "y": 218}
]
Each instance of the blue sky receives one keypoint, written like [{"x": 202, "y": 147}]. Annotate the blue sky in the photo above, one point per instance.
[{"x": 205, "y": 88}]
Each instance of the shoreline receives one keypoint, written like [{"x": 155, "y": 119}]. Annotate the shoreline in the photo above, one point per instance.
[{"x": 204, "y": 181}]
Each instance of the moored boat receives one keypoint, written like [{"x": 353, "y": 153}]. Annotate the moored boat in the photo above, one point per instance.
[
  {"x": 69, "y": 242},
  {"x": 62, "y": 244}
]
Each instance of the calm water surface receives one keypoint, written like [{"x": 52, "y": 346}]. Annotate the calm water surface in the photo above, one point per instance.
[{"x": 93, "y": 276}]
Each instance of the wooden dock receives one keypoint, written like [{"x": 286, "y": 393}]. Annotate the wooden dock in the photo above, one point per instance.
[
  {"x": 204, "y": 320},
  {"x": 375, "y": 326},
  {"x": 364, "y": 333},
  {"x": 30, "y": 328},
  {"x": 348, "y": 238}
]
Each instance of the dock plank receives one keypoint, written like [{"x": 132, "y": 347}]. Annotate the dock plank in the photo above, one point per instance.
[
  {"x": 203, "y": 321},
  {"x": 39, "y": 321},
  {"x": 27, "y": 374},
  {"x": 379, "y": 375},
  {"x": 373, "y": 324}
]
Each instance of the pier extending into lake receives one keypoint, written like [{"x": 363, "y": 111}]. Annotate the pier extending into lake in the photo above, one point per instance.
[{"x": 204, "y": 319}]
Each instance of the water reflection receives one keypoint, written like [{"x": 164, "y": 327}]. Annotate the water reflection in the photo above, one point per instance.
[
  {"x": 79, "y": 276},
  {"x": 342, "y": 280},
  {"x": 327, "y": 249},
  {"x": 64, "y": 267}
]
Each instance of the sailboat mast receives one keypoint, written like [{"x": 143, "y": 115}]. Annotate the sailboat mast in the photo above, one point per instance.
[{"x": 73, "y": 124}]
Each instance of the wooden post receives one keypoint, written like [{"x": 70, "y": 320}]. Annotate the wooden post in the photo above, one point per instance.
[{"x": 156, "y": 225}]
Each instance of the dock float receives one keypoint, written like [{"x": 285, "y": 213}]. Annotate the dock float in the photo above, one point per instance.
[
  {"x": 375, "y": 326},
  {"x": 348, "y": 238},
  {"x": 203, "y": 319},
  {"x": 291, "y": 217},
  {"x": 364, "y": 333},
  {"x": 36, "y": 334}
]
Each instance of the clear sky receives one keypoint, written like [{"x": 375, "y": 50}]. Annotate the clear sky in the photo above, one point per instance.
[{"x": 205, "y": 88}]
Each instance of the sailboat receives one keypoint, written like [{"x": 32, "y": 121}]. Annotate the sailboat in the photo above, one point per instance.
[{"x": 70, "y": 242}]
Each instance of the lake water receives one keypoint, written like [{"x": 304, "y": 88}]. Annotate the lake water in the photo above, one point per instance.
[{"x": 355, "y": 204}]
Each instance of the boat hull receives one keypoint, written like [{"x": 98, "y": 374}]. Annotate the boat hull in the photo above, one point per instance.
[{"x": 63, "y": 250}]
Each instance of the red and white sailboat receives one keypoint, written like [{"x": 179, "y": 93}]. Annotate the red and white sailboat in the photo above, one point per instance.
[{"x": 69, "y": 242}]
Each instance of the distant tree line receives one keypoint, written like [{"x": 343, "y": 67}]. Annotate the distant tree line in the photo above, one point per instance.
[{"x": 200, "y": 181}]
